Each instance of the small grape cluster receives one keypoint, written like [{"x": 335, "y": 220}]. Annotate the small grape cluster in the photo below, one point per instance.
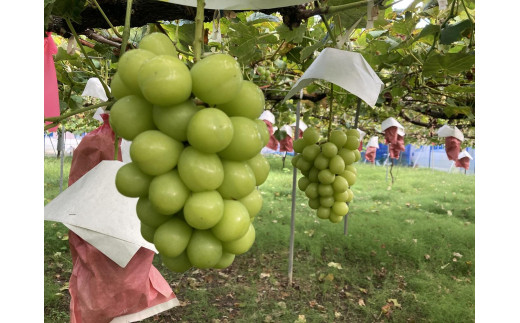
[
  {"x": 328, "y": 171},
  {"x": 195, "y": 152}
]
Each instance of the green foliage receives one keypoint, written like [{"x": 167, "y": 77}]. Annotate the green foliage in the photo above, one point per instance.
[{"x": 246, "y": 41}]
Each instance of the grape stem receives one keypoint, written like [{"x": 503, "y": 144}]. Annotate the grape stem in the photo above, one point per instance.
[
  {"x": 331, "y": 116},
  {"x": 126, "y": 30},
  {"x": 198, "y": 41}
]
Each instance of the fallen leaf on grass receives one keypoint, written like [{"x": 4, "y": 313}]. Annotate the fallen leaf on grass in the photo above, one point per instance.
[
  {"x": 264, "y": 275},
  {"x": 427, "y": 256},
  {"x": 301, "y": 318},
  {"x": 335, "y": 265},
  {"x": 458, "y": 255},
  {"x": 394, "y": 302},
  {"x": 361, "y": 302},
  {"x": 363, "y": 290},
  {"x": 282, "y": 304},
  {"x": 450, "y": 213},
  {"x": 337, "y": 314},
  {"x": 310, "y": 233}
]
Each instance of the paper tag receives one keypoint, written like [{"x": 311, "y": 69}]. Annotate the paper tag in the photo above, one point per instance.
[
  {"x": 71, "y": 45},
  {"x": 443, "y": 4}
]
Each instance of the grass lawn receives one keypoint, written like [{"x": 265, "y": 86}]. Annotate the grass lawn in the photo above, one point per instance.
[{"x": 409, "y": 256}]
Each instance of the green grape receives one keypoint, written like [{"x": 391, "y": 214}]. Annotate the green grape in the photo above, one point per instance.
[
  {"x": 340, "y": 208},
  {"x": 329, "y": 149},
  {"x": 325, "y": 190},
  {"x": 216, "y": 78},
  {"x": 321, "y": 162},
  {"x": 325, "y": 176},
  {"x": 334, "y": 218},
  {"x": 313, "y": 175},
  {"x": 158, "y": 43},
  {"x": 303, "y": 165},
  {"x": 340, "y": 184},
  {"x": 323, "y": 212},
  {"x": 129, "y": 65},
  {"x": 311, "y": 136},
  {"x": 164, "y": 80},
  {"x": 299, "y": 145},
  {"x": 173, "y": 120},
  {"x": 249, "y": 102},
  {"x": 350, "y": 177},
  {"x": 310, "y": 152},
  {"x": 348, "y": 156},
  {"x": 312, "y": 191},
  {"x": 303, "y": 183},
  {"x": 130, "y": 116},
  {"x": 338, "y": 138},
  {"x": 327, "y": 201},
  {"x": 337, "y": 165},
  {"x": 314, "y": 203},
  {"x": 352, "y": 143}
]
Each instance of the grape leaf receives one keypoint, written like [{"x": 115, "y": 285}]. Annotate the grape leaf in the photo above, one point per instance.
[
  {"x": 244, "y": 41},
  {"x": 309, "y": 50},
  {"x": 452, "y": 33},
  {"x": 450, "y": 63},
  {"x": 427, "y": 31},
  {"x": 295, "y": 35}
]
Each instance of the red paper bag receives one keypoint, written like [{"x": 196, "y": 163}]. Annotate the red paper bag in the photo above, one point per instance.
[
  {"x": 452, "y": 147},
  {"x": 394, "y": 141},
  {"x": 463, "y": 162},
  {"x": 273, "y": 143},
  {"x": 100, "y": 289},
  {"x": 286, "y": 144},
  {"x": 370, "y": 154}
]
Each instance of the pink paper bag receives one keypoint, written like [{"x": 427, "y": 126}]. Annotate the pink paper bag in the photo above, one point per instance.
[{"x": 51, "y": 103}]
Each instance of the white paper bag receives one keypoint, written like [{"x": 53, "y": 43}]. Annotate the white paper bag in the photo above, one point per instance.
[{"x": 348, "y": 70}]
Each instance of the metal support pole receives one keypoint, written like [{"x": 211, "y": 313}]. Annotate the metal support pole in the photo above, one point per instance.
[{"x": 293, "y": 196}]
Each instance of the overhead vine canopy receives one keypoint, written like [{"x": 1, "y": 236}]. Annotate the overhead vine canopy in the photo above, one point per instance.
[{"x": 424, "y": 53}]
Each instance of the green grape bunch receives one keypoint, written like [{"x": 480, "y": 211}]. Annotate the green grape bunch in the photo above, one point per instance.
[
  {"x": 328, "y": 171},
  {"x": 195, "y": 169}
]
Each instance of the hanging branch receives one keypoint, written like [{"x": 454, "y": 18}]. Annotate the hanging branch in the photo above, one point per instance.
[
  {"x": 89, "y": 60},
  {"x": 56, "y": 120}
]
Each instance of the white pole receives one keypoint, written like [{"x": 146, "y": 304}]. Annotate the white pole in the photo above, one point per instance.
[
  {"x": 293, "y": 195},
  {"x": 62, "y": 134},
  {"x": 419, "y": 156}
]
